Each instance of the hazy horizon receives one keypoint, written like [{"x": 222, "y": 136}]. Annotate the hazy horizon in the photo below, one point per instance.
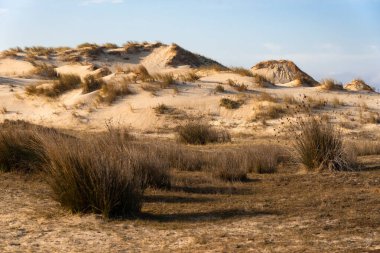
[{"x": 338, "y": 39}]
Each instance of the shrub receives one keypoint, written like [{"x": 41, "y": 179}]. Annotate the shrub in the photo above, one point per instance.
[
  {"x": 229, "y": 103},
  {"x": 219, "y": 88},
  {"x": 201, "y": 134},
  {"x": 242, "y": 71},
  {"x": 319, "y": 145},
  {"x": 91, "y": 83},
  {"x": 162, "y": 109}
]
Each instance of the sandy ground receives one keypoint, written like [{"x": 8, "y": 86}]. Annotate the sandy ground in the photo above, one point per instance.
[{"x": 266, "y": 220}]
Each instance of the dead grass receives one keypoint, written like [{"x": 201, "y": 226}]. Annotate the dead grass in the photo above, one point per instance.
[
  {"x": 112, "y": 90},
  {"x": 236, "y": 86},
  {"x": 201, "y": 134},
  {"x": 229, "y": 103},
  {"x": 219, "y": 88},
  {"x": 46, "y": 71},
  {"x": 58, "y": 87},
  {"x": 189, "y": 77},
  {"x": 319, "y": 146},
  {"x": 91, "y": 83},
  {"x": 242, "y": 71},
  {"x": 162, "y": 109},
  {"x": 330, "y": 84}
]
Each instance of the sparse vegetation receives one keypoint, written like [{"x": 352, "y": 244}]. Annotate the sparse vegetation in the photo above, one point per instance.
[
  {"x": 63, "y": 84},
  {"x": 189, "y": 77},
  {"x": 112, "y": 90},
  {"x": 236, "y": 86},
  {"x": 46, "y": 71},
  {"x": 162, "y": 109},
  {"x": 201, "y": 134},
  {"x": 219, "y": 88},
  {"x": 330, "y": 84},
  {"x": 164, "y": 79},
  {"x": 91, "y": 83},
  {"x": 242, "y": 71},
  {"x": 230, "y": 104}
]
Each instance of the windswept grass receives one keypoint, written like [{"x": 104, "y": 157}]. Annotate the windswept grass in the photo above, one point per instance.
[
  {"x": 58, "y": 87},
  {"x": 242, "y": 71}
]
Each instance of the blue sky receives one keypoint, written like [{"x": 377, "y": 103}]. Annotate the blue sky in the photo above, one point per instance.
[{"x": 326, "y": 38}]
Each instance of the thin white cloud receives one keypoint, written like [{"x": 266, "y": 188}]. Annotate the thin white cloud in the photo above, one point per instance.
[
  {"x": 272, "y": 46},
  {"x": 3, "y": 11},
  {"x": 90, "y": 2},
  {"x": 375, "y": 48}
]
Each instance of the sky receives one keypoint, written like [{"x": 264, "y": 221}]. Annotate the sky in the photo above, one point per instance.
[{"x": 326, "y": 38}]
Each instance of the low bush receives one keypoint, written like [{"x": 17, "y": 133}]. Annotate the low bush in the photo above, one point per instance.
[
  {"x": 229, "y": 103},
  {"x": 201, "y": 134},
  {"x": 219, "y": 88}
]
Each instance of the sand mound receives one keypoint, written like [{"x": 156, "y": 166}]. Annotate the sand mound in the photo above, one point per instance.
[
  {"x": 175, "y": 56},
  {"x": 358, "y": 85},
  {"x": 283, "y": 72},
  {"x": 13, "y": 67}
]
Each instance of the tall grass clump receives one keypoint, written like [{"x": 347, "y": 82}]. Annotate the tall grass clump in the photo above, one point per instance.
[
  {"x": 319, "y": 146},
  {"x": 104, "y": 174},
  {"x": 56, "y": 88},
  {"x": 330, "y": 84},
  {"x": 201, "y": 134},
  {"x": 20, "y": 146},
  {"x": 109, "y": 92}
]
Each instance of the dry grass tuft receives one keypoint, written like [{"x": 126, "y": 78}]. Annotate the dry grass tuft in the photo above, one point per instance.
[
  {"x": 319, "y": 146},
  {"x": 230, "y": 104},
  {"x": 91, "y": 83},
  {"x": 46, "y": 71},
  {"x": 111, "y": 91},
  {"x": 219, "y": 88},
  {"x": 201, "y": 134},
  {"x": 242, "y": 71},
  {"x": 330, "y": 84},
  {"x": 63, "y": 84}
]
